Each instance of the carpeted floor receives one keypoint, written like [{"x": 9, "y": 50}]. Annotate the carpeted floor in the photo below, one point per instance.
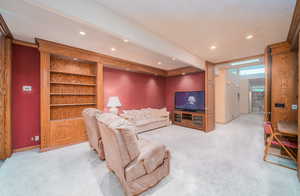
[{"x": 227, "y": 161}]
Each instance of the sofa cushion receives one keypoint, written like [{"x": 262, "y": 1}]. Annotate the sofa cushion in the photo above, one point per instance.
[
  {"x": 152, "y": 154},
  {"x": 159, "y": 113},
  {"x": 148, "y": 121}
]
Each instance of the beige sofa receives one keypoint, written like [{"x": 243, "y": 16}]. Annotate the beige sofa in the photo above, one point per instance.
[
  {"x": 139, "y": 164},
  {"x": 92, "y": 130},
  {"x": 147, "y": 119}
]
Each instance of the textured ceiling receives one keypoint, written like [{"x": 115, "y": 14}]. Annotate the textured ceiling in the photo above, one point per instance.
[
  {"x": 29, "y": 19},
  {"x": 157, "y": 30},
  {"x": 197, "y": 24}
]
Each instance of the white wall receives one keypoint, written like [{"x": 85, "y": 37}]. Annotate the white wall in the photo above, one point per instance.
[
  {"x": 226, "y": 96},
  {"x": 244, "y": 96}
]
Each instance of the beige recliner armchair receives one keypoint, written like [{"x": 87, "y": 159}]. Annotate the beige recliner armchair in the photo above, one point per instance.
[
  {"x": 93, "y": 132},
  {"x": 139, "y": 164}
]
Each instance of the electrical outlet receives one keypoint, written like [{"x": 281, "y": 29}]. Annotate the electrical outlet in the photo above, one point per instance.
[{"x": 36, "y": 138}]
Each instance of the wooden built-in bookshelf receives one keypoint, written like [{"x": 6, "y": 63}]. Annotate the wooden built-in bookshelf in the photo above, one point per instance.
[
  {"x": 70, "y": 82},
  {"x": 72, "y": 73}
]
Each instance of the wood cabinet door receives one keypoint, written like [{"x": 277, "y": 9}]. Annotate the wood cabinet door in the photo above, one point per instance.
[{"x": 209, "y": 97}]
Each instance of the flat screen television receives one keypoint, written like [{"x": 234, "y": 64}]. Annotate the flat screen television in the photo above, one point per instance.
[{"x": 190, "y": 101}]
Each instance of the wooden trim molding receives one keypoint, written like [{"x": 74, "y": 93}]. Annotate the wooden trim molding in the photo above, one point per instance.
[
  {"x": 280, "y": 48},
  {"x": 183, "y": 71},
  {"x": 4, "y": 28},
  {"x": 26, "y": 148},
  {"x": 23, "y": 43},
  {"x": 107, "y": 61},
  {"x": 5, "y": 90},
  {"x": 5, "y": 98},
  {"x": 100, "y": 87},
  {"x": 209, "y": 97},
  {"x": 295, "y": 27},
  {"x": 240, "y": 59},
  {"x": 45, "y": 100}
]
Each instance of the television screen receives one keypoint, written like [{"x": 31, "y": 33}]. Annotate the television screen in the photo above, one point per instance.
[{"x": 190, "y": 101}]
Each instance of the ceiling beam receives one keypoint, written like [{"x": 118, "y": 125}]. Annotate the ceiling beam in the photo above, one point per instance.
[
  {"x": 108, "y": 61},
  {"x": 183, "y": 71},
  {"x": 118, "y": 26},
  {"x": 4, "y": 28},
  {"x": 295, "y": 27},
  {"x": 23, "y": 43},
  {"x": 240, "y": 59}
]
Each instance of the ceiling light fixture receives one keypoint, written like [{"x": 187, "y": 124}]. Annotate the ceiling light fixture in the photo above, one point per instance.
[
  {"x": 113, "y": 49},
  {"x": 173, "y": 58},
  {"x": 159, "y": 63},
  {"x": 183, "y": 73},
  {"x": 75, "y": 59},
  {"x": 249, "y": 36},
  {"x": 126, "y": 40},
  {"x": 82, "y": 33},
  {"x": 213, "y": 47}
]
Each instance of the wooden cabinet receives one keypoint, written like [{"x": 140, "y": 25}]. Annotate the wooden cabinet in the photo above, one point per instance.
[
  {"x": 70, "y": 82},
  {"x": 282, "y": 87},
  {"x": 195, "y": 120}
]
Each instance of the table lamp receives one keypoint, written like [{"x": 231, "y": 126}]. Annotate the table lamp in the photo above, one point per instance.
[{"x": 113, "y": 103}]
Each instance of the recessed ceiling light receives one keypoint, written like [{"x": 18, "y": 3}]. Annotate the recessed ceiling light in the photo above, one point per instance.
[
  {"x": 249, "y": 36},
  {"x": 82, "y": 33},
  {"x": 213, "y": 47},
  {"x": 173, "y": 58},
  {"x": 113, "y": 49},
  {"x": 159, "y": 63},
  {"x": 183, "y": 73},
  {"x": 75, "y": 59},
  {"x": 125, "y": 40}
]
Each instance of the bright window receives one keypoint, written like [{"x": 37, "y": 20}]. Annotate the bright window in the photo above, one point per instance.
[
  {"x": 252, "y": 70},
  {"x": 245, "y": 62}
]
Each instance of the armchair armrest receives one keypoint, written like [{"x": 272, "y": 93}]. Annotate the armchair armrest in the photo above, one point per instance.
[
  {"x": 152, "y": 154},
  {"x": 165, "y": 114}
]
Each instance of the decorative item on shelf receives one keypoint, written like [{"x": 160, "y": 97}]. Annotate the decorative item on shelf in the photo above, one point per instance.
[{"x": 113, "y": 103}]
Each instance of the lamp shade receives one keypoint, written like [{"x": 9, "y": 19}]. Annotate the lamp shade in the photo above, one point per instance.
[{"x": 114, "y": 101}]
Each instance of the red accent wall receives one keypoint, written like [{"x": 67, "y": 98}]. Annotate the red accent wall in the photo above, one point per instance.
[
  {"x": 135, "y": 90},
  {"x": 25, "y": 105},
  {"x": 191, "y": 82}
]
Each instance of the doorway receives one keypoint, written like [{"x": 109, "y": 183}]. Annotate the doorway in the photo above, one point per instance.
[{"x": 239, "y": 89}]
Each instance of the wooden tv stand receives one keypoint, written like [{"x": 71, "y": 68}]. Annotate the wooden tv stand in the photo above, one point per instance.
[{"x": 195, "y": 120}]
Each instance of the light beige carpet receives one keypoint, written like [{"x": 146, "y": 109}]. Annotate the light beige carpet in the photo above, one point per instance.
[{"x": 227, "y": 161}]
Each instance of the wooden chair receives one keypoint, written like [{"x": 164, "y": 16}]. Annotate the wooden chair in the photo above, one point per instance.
[{"x": 277, "y": 138}]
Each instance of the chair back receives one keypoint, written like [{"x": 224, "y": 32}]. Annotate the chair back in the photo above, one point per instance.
[
  {"x": 92, "y": 130},
  {"x": 119, "y": 140},
  {"x": 268, "y": 128}
]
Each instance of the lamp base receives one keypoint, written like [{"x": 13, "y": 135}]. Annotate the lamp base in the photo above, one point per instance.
[{"x": 114, "y": 110}]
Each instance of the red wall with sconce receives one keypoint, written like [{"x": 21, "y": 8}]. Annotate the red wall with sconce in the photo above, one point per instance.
[
  {"x": 25, "y": 104},
  {"x": 135, "y": 90}
]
